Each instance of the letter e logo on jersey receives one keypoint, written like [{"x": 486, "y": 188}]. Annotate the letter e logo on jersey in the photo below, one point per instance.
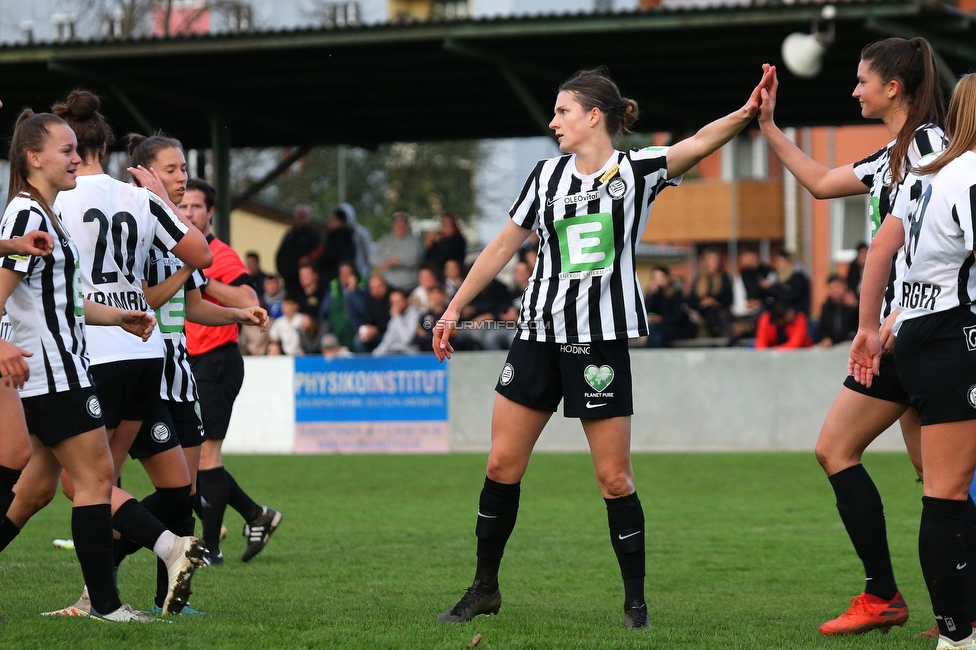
[
  {"x": 160, "y": 432},
  {"x": 94, "y": 407},
  {"x": 585, "y": 245},
  {"x": 508, "y": 373},
  {"x": 598, "y": 378},
  {"x": 970, "y": 334}
]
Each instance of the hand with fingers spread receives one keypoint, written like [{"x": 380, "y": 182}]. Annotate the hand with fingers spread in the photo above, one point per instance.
[
  {"x": 13, "y": 368},
  {"x": 36, "y": 243},
  {"x": 865, "y": 357}
]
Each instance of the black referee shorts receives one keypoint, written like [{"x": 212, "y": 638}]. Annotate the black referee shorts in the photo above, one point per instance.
[
  {"x": 58, "y": 416},
  {"x": 935, "y": 356},
  {"x": 593, "y": 379},
  {"x": 219, "y": 374},
  {"x": 887, "y": 385}
]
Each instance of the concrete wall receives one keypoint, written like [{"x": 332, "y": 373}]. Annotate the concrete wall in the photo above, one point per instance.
[{"x": 685, "y": 400}]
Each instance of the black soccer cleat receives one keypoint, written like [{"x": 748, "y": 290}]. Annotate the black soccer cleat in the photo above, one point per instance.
[
  {"x": 636, "y": 617},
  {"x": 473, "y": 603},
  {"x": 258, "y": 532}
]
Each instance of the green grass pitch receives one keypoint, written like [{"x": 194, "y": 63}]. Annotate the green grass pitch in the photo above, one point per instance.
[{"x": 743, "y": 551}]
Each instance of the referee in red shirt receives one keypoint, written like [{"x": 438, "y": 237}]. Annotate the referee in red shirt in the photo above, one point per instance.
[{"x": 218, "y": 368}]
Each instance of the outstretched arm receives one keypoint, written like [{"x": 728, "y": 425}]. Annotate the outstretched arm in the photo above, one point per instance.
[
  {"x": 689, "y": 152},
  {"x": 822, "y": 182},
  {"x": 205, "y": 312},
  {"x": 135, "y": 322}
]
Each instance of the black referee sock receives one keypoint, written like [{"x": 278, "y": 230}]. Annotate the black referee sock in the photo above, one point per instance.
[
  {"x": 497, "y": 512},
  {"x": 8, "y": 530},
  {"x": 132, "y": 520},
  {"x": 213, "y": 489},
  {"x": 240, "y": 501},
  {"x": 862, "y": 512},
  {"x": 91, "y": 528},
  {"x": 8, "y": 479},
  {"x": 626, "y": 519},
  {"x": 942, "y": 553},
  {"x": 969, "y": 539}
]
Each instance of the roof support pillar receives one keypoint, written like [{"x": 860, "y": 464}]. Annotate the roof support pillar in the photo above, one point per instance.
[
  {"x": 220, "y": 146},
  {"x": 293, "y": 156}
]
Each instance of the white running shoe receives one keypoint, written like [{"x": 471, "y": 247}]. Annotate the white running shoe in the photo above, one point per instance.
[
  {"x": 124, "y": 614},
  {"x": 185, "y": 558},
  {"x": 969, "y": 643},
  {"x": 81, "y": 608}
]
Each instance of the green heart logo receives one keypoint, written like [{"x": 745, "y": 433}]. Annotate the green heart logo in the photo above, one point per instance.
[{"x": 598, "y": 378}]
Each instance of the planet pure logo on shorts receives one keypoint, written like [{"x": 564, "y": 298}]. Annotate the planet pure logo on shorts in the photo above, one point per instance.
[
  {"x": 160, "y": 432},
  {"x": 508, "y": 374},
  {"x": 972, "y": 396},
  {"x": 585, "y": 245},
  {"x": 94, "y": 407},
  {"x": 970, "y": 334},
  {"x": 598, "y": 378}
]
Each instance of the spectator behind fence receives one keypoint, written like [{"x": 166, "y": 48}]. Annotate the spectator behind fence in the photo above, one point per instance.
[
  {"x": 254, "y": 273},
  {"x": 369, "y": 335},
  {"x": 453, "y": 277},
  {"x": 448, "y": 244},
  {"x": 338, "y": 247},
  {"x": 710, "y": 296},
  {"x": 427, "y": 278},
  {"x": 481, "y": 315},
  {"x": 361, "y": 238},
  {"x": 667, "y": 311},
  {"x": 398, "y": 254},
  {"x": 272, "y": 294},
  {"x": 312, "y": 290},
  {"x": 782, "y": 328},
  {"x": 437, "y": 303},
  {"x": 856, "y": 269},
  {"x": 299, "y": 242},
  {"x": 344, "y": 305},
  {"x": 838, "y": 315},
  {"x": 747, "y": 286},
  {"x": 401, "y": 329},
  {"x": 331, "y": 349},
  {"x": 286, "y": 330},
  {"x": 791, "y": 284}
]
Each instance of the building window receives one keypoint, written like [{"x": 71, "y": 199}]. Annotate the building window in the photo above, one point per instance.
[
  {"x": 450, "y": 9},
  {"x": 745, "y": 158},
  {"x": 112, "y": 25},
  {"x": 340, "y": 14},
  {"x": 849, "y": 226},
  {"x": 64, "y": 26},
  {"x": 241, "y": 18}
]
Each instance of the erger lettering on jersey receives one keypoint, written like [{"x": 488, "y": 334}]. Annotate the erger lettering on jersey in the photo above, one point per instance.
[
  {"x": 919, "y": 295},
  {"x": 121, "y": 299},
  {"x": 574, "y": 349}
]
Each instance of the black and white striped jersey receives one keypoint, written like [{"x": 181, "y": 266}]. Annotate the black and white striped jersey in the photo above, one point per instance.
[
  {"x": 939, "y": 216},
  {"x": 875, "y": 172},
  {"x": 46, "y": 308},
  {"x": 584, "y": 286},
  {"x": 177, "y": 383},
  {"x": 114, "y": 225}
]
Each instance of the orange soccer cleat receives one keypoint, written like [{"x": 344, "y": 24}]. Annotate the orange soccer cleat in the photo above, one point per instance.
[
  {"x": 933, "y": 632},
  {"x": 868, "y": 612}
]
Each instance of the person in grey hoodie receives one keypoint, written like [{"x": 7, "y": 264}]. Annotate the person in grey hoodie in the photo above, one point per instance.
[
  {"x": 362, "y": 239},
  {"x": 398, "y": 254}
]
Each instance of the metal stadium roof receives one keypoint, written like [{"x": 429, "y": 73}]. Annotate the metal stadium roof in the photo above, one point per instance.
[{"x": 480, "y": 78}]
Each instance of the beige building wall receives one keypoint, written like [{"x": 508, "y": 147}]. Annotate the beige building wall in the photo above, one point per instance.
[{"x": 249, "y": 232}]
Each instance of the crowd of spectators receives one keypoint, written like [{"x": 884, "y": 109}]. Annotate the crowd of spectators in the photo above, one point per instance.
[{"x": 766, "y": 306}]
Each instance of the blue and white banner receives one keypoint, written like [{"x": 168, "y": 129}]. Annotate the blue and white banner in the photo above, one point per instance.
[{"x": 370, "y": 404}]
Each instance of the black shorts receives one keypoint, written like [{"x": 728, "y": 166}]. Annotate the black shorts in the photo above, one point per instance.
[
  {"x": 593, "y": 378},
  {"x": 175, "y": 424},
  {"x": 129, "y": 390},
  {"x": 886, "y": 385},
  {"x": 936, "y": 359},
  {"x": 219, "y": 375},
  {"x": 58, "y": 416}
]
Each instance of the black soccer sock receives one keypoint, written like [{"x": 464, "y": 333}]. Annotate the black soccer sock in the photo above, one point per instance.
[
  {"x": 942, "y": 553},
  {"x": 8, "y": 479},
  {"x": 626, "y": 519},
  {"x": 132, "y": 520},
  {"x": 497, "y": 512},
  {"x": 240, "y": 501},
  {"x": 91, "y": 527},
  {"x": 212, "y": 487},
  {"x": 862, "y": 512},
  {"x": 8, "y": 530},
  {"x": 969, "y": 539},
  {"x": 171, "y": 506}
]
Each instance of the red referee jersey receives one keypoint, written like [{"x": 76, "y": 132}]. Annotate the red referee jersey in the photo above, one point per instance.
[{"x": 227, "y": 268}]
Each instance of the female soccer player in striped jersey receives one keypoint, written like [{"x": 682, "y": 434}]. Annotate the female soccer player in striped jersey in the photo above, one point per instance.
[
  {"x": 897, "y": 83},
  {"x": 48, "y": 314},
  {"x": 582, "y": 304},
  {"x": 935, "y": 350}
]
